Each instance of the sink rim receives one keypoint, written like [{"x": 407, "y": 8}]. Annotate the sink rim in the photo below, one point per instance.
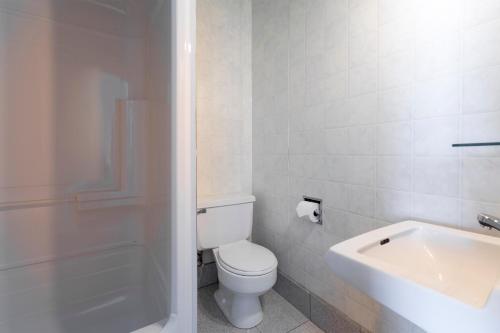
[
  {"x": 354, "y": 243},
  {"x": 428, "y": 308},
  {"x": 353, "y": 247}
]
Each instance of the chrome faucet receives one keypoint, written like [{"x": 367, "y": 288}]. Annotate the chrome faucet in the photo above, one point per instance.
[{"x": 489, "y": 221}]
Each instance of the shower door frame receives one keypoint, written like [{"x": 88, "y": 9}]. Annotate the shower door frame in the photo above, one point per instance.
[{"x": 183, "y": 317}]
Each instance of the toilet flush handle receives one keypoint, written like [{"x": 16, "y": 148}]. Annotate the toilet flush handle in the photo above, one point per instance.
[{"x": 201, "y": 211}]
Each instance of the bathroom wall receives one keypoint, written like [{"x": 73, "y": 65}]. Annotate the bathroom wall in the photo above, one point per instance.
[
  {"x": 63, "y": 66},
  {"x": 358, "y": 102},
  {"x": 224, "y": 97}
]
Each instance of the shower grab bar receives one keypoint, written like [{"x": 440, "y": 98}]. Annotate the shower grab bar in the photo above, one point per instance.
[{"x": 49, "y": 258}]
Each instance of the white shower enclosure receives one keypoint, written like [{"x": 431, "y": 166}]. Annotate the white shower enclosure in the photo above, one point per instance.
[{"x": 97, "y": 203}]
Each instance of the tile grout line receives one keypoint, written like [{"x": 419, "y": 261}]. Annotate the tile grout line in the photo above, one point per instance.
[
  {"x": 310, "y": 307},
  {"x": 303, "y": 324}
]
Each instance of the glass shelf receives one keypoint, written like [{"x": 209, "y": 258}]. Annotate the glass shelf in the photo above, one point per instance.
[{"x": 478, "y": 144}]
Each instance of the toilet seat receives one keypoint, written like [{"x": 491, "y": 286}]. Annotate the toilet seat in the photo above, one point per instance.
[{"x": 246, "y": 258}]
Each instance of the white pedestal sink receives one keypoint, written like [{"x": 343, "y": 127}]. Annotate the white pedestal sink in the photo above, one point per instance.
[{"x": 442, "y": 279}]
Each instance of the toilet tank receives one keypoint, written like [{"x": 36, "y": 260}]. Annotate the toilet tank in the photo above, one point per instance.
[{"x": 223, "y": 220}]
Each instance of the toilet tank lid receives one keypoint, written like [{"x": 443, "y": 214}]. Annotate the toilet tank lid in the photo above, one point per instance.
[{"x": 224, "y": 200}]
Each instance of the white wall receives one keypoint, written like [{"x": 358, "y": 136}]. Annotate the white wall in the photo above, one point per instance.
[
  {"x": 224, "y": 97},
  {"x": 358, "y": 103}
]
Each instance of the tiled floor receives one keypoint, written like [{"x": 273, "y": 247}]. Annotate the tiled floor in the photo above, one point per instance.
[{"x": 279, "y": 316}]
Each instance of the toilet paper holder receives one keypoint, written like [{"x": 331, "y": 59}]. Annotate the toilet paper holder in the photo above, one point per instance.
[{"x": 318, "y": 212}]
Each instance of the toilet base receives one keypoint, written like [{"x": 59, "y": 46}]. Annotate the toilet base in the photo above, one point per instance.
[{"x": 242, "y": 310}]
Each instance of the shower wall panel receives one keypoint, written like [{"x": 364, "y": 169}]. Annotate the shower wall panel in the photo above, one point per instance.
[{"x": 64, "y": 66}]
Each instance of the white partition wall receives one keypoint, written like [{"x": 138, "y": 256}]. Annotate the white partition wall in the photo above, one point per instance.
[
  {"x": 184, "y": 166},
  {"x": 171, "y": 87}
]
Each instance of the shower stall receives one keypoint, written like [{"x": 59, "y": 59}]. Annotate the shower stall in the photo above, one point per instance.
[{"x": 96, "y": 166}]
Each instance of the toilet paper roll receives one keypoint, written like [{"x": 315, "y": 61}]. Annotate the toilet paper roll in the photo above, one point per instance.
[{"x": 307, "y": 208}]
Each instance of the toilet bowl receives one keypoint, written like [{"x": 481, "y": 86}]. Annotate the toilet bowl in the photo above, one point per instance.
[{"x": 245, "y": 271}]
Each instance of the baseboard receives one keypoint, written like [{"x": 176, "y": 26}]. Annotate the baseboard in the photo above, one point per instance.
[
  {"x": 294, "y": 293},
  {"x": 322, "y": 314}
]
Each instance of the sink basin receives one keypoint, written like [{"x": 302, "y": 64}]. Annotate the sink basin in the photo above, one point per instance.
[{"x": 442, "y": 279}]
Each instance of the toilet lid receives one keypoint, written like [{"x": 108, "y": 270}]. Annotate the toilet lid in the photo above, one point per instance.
[{"x": 247, "y": 257}]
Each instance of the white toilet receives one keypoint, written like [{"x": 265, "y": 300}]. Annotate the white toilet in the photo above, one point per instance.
[{"x": 245, "y": 270}]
